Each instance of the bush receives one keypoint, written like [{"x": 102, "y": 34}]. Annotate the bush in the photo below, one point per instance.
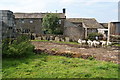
[{"x": 20, "y": 47}]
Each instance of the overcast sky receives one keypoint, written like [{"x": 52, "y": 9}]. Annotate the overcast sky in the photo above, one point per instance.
[{"x": 102, "y": 10}]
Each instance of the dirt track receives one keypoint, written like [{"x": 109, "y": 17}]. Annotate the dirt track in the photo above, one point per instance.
[{"x": 104, "y": 54}]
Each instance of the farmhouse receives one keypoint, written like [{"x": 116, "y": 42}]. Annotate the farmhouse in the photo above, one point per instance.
[
  {"x": 32, "y": 22},
  {"x": 74, "y": 28}
]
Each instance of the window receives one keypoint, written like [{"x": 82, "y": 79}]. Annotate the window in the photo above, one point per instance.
[
  {"x": 14, "y": 30},
  {"x": 14, "y": 25},
  {"x": 23, "y": 21},
  {"x": 26, "y": 31},
  {"x": 59, "y": 21},
  {"x": 18, "y": 30},
  {"x": 31, "y": 21},
  {"x": 9, "y": 16},
  {"x": 10, "y": 28}
]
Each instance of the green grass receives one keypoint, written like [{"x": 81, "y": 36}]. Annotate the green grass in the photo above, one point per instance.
[
  {"x": 118, "y": 45},
  {"x": 57, "y": 42},
  {"x": 47, "y": 66},
  {"x": 41, "y": 40}
]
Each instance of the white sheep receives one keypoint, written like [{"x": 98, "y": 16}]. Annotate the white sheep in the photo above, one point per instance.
[
  {"x": 109, "y": 43},
  {"x": 96, "y": 43},
  {"x": 90, "y": 43},
  {"x": 103, "y": 43},
  {"x": 81, "y": 41}
]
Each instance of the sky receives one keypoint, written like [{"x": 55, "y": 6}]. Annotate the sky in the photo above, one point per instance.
[{"x": 103, "y": 11}]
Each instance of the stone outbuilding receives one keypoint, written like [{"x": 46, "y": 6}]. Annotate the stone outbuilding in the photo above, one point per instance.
[{"x": 76, "y": 28}]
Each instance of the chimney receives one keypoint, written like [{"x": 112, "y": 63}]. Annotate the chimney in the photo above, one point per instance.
[{"x": 64, "y": 11}]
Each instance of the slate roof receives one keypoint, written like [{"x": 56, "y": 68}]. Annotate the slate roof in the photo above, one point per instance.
[
  {"x": 35, "y": 15},
  {"x": 105, "y": 25},
  {"x": 88, "y": 22}
]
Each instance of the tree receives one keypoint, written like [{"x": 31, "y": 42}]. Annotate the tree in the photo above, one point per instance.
[{"x": 51, "y": 23}]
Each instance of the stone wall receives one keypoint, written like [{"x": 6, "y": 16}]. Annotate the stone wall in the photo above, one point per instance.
[
  {"x": 51, "y": 37},
  {"x": 32, "y": 22},
  {"x": 29, "y": 25},
  {"x": 0, "y": 31},
  {"x": 7, "y": 23},
  {"x": 74, "y": 32},
  {"x": 32, "y": 25}
]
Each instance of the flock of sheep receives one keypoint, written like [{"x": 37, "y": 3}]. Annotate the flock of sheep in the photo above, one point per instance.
[{"x": 94, "y": 43}]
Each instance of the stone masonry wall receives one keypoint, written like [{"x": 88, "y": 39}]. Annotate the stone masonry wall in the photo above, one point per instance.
[
  {"x": 29, "y": 25},
  {"x": 7, "y": 23},
  {"x": 51, "y": 37},
  {"x": 74, "y": 33}
]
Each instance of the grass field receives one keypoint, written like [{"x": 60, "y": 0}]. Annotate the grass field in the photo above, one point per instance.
[
  {"x": 47, "y": 66},
  {"x": 57, "y": 42}
]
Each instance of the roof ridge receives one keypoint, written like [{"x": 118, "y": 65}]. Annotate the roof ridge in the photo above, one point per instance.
[
  {"x": 80, "y": 18},
  {"x": 34, "y": 13}
]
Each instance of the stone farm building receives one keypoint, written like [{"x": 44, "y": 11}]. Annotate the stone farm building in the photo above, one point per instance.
[
  {"x": 74, "y": 28},
  {"x": 80, "y": 27},
  {"x": 32, "y": 22}
]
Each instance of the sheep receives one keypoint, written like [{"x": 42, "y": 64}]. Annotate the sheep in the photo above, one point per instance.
[
  {"x": 96, "y": 43},
  {"x": 90, "y": 43},
  {"x": 82, "y": 41},
  {"x": 103, "y": 43},
  {"x": 109, "y": 43},
  {"x": 79, "y": 41}
]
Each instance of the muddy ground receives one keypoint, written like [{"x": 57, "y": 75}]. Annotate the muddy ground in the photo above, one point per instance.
[{"x": 109, "y": 54}]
